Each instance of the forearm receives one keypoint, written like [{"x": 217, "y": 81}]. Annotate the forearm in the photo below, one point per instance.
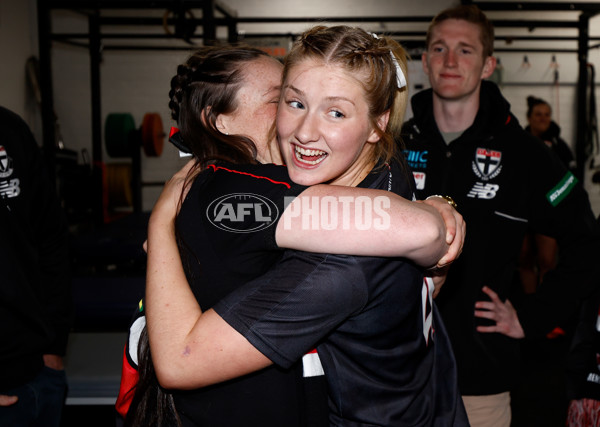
[
  {"x": 171, "y": 308},
  {"x": 357, "y": 221},
  {"x": 190, "y": 349}
]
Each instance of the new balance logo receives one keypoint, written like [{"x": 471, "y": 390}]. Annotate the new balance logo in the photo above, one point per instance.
[{"x": 483, "y": 191}]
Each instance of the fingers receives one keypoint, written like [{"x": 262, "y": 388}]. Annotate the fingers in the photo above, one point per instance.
[
  {"x": 447, "y": 213},
  {"x": 493, "y": 295},
  {"x": 486, "y": 305},
  {"x": 454, "y": 251},
  {"x": 7, "y": 400},
  {"x": 488, "y": 329}
]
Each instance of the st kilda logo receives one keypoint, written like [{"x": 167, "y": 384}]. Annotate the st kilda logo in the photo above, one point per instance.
[
  {"x": 242, "y": 212},
  {"x": 487, "y": 163}
]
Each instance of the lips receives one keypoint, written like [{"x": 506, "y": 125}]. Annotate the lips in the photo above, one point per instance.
[
  {"x": 449, "y": 76},
  {"x": 309, "y": 156}
]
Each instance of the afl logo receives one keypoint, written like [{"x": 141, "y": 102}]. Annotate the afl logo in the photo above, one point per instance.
[{"x": 242, "y": 212}]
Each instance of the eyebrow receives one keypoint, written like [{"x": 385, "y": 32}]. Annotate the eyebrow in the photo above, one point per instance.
[
  {"x": 272, "y": 89},
  {"x": 329, "y": 98},
  {"x": 460, "y": 44}
]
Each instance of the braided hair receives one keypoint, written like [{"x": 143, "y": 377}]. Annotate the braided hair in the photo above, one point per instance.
[
  {"x": 369, "y": 59},
  {"x": 205, "y": 86}
]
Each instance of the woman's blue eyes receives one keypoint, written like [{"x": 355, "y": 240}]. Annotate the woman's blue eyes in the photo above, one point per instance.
[{"x": 333, "y": 113}]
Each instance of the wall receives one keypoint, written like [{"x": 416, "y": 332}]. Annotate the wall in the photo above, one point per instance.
[
  {"x": 18, "y": 41},
  {"x": 138, "y": 81}
]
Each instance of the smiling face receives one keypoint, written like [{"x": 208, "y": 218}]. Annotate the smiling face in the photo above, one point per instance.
[
  {"x": 256, "y": 101},
  {"x": 323, "y": 125},
  {"x": 540, "y": 118},
  {"x": 454, "y": 60}
]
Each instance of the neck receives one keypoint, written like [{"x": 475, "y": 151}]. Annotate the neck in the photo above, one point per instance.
[
  {"x": 536, "y": 132},
  {"x": 269, "y": 153},
  {"x": 359, "y": 177},
  {"x": 455, "y": 115}
]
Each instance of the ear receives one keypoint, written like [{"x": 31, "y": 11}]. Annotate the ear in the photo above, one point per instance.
[
  {"x": 424, "y": 63},
  {"x": 222, "y": 123},
  {"x": 382, "y": 123},
  {"x": 489, "y": 65}
]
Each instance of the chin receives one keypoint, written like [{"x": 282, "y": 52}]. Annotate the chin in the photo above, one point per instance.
[{"x": 306, "y": 179}]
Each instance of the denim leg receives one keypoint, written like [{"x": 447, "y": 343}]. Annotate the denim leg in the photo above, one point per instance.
[
  {"x": 40, "y": 401},
  {"x": 51, "y": 388},
  {"x": 22, "y": 413}
]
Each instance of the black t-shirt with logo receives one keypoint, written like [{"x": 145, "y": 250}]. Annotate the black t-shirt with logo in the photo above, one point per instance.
[
  {"x": 385, "y": 353},
  {"x": 226, "y": 234}
]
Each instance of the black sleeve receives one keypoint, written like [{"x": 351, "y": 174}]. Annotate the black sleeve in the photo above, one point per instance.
[{"x": 287, "y": 311}]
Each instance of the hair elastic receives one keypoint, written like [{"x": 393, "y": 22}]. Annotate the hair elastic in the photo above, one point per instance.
[{"x": 400, "y": 78}]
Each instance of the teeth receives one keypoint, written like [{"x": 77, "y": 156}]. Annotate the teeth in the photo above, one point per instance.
[{"x": 305, "y": 152}]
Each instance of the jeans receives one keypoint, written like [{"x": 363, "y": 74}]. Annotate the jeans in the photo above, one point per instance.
[{"x": 40, "y": 401}]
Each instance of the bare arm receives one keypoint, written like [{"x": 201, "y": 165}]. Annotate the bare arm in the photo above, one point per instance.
[
  {"x": 181, "y": 336},
  {"x": 358, "y": 221}
]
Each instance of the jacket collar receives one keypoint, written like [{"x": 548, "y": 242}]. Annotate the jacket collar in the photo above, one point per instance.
[{"x": 494, "y": 111}]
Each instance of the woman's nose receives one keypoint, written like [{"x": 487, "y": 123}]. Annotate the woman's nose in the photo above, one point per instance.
[{"x": 307, "y": 129}]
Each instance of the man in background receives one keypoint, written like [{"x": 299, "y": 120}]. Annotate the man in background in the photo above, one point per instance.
[
  {"x": 35, "y": 292},
  {"x": 464, "y": 142}
]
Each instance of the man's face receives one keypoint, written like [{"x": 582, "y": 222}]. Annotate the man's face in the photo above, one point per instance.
[{"x": 454, "y": 60}]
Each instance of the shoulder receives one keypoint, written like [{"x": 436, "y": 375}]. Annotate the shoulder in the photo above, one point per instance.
[{"x": 14, "y": 130}]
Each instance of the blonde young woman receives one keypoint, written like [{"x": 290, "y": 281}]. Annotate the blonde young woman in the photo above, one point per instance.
[{"x": 385, "y": 354}]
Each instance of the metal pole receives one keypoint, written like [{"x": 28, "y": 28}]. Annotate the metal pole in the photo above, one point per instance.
[
  {"x": 98, "y": 170},
  {"x": 582, "y": 88},
  {"x": 47, "y": 102}
]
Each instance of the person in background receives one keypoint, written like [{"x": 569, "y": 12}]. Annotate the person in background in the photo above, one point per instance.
[
  {"x": 539, "y": 252},
  {"x": 35, "y": 290},
  {"x": 541, "y": 125},
  {"x": 463, "y": 140}
]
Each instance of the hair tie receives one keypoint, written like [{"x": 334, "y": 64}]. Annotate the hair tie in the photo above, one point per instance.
[{"x": 400, "y": 78}]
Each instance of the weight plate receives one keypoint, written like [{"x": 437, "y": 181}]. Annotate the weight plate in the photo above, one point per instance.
[
  {"x": 118, "y": 134},
  {"x": 153, "y": 135}
]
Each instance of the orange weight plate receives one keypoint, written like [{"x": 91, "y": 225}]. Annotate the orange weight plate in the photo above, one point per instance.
[{"x": 153, "y": 135}]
